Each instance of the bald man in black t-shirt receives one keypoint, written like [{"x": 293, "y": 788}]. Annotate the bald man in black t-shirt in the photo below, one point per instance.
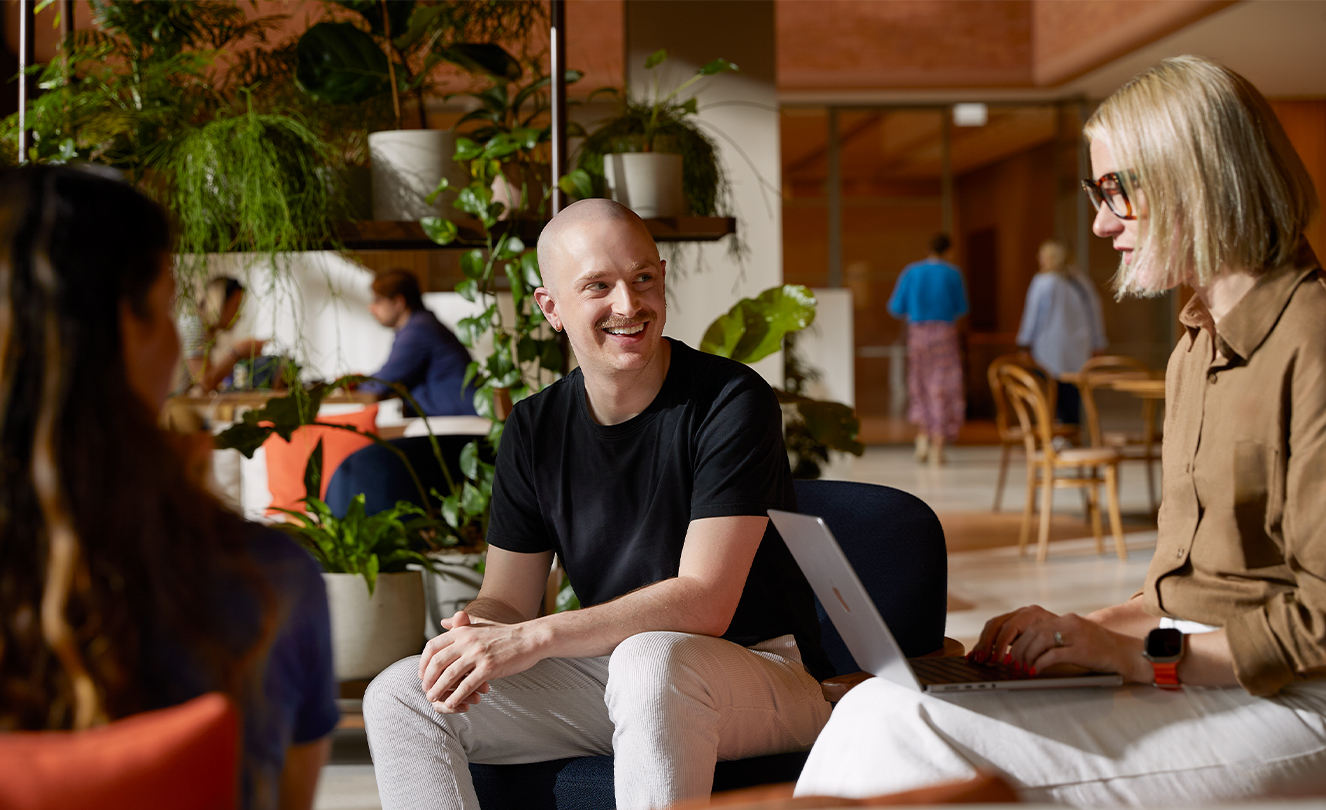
[{"x": 649, "y": 471}]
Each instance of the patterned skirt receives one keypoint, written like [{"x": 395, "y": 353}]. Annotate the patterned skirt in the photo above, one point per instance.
[{"x": 934, "y": 378}]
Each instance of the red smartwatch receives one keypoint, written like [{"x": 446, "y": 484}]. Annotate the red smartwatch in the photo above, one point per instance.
[{"x": 1164, "y": 648}]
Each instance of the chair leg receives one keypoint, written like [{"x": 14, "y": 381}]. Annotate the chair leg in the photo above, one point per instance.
[
  {"x": 1116, "y": 522},
  {"x": 1093, "y": 498},
  {"x": 1003, "y": 475},
  {"x": 1086, "y": 500},
  {"x": 1028, "y": 508},
  {"x": 1047, "y": 506}
]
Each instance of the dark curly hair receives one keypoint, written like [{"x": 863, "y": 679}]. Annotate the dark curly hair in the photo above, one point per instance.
[{"x": 107, "y": 552}]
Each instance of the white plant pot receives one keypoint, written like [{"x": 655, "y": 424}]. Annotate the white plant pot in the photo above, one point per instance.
[
  {"x": 648, "y": 183},
  {"x": 407, "y": 165},
  {"x": 368, "y": 635},
  {"x": 452, "y": 587}
]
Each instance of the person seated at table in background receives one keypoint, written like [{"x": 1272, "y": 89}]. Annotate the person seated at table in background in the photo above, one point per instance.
[
  {"x": 207, "y": 365},
  {"x": 1197, "y": 184},
  {"x": 125, "y": 585},
  {"x": 1062, "y": 326},
  {"x": 426, "y": 357},
  {"x": 649, "y": 471},
  {"x": 930, "y": 296}
]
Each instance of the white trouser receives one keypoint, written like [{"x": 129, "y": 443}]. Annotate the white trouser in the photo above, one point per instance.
[
  {"x": 668, "y": 705},
  {"x": 1132, "y": 745}
]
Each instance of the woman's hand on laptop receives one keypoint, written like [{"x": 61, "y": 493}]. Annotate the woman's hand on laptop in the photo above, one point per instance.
[{"x": 1034, "y": 641}]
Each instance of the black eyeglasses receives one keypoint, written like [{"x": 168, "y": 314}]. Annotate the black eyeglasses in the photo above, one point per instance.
[{"x": 1109, "y": 190}]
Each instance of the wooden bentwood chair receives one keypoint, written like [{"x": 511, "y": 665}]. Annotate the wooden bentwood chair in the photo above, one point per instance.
[
  {"x": 1046, "y": 473},
  {"x": 1101, "y": 372},
  {"x": 1010, "y": 433}
]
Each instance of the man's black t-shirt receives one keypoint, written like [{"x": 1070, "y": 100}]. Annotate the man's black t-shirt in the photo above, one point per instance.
[{"x": 614, "y": 502}]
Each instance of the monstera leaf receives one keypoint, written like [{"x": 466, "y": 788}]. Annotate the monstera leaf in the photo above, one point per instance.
[
  {"x": 754, "y": 328},
  {"x": 337, "y": 63}
]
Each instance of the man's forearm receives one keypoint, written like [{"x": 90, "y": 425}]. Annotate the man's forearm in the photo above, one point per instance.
[
  {"x": 494, "y": 610},
  {"x": 680, "y": 604}
]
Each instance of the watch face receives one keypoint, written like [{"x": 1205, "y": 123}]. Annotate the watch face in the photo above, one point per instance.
[{"x": 1164, "y": 643}]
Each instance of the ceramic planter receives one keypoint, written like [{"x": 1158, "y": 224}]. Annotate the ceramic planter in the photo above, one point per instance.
[
  {"x": 649, "y": 183},
  {"x": 453, "y": 586},
  {"x": 368, "y": 635},
  {"x": 407, "y": 165}
]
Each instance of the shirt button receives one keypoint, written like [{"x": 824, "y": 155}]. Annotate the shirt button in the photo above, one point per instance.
[
  {"x": 1211, "y": 378},
  {"x": 1178, "y": 555}
]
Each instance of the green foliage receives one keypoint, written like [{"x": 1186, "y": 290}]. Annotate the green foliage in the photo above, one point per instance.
[
  {"x": 661, "y": 122},
  {"x": 250, "y": 182},
  {"x": 517, "y": 114},
  {"x": 756, "y": 327},
  {"x": 119, "y": 93},
  {"x": 524, "y": 349},
  {"x": 368, "y": 545},
  {"x": 356, "y": 60}
]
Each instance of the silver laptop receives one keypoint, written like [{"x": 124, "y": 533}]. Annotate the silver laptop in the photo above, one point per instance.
[{"x": 867, "y": 636}]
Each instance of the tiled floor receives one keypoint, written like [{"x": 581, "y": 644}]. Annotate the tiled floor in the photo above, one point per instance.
[{"x": 982, "y": 583}]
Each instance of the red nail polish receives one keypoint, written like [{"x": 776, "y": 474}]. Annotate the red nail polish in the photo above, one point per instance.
[
  {"x": 1032, "y": 672},
  {"x": 980, "y": 656},
  {"x": 1008, "y": 658}
]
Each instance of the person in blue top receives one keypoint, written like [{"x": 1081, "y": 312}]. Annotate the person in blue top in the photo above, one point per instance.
[
  {"x": 930, "y": 296},
  {"x": 1061, "y": 324},
  {"x": 124, "y": 585},
  {"x": 426, "y": 357}
]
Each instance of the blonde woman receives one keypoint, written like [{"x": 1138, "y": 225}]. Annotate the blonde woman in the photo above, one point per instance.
[
  {"x": 1061, "y": 323},
  {"x": 1222, "y": 651},
  {"x": 217, "y": 312}
]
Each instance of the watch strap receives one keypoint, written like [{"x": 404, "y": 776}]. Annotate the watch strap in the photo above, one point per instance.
[{"x": 1167, "y": 675}]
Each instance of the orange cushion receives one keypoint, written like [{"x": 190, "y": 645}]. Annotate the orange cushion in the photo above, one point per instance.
[
  {"x": 286, "y": 460},
  {"x": 181, "y": 757}
]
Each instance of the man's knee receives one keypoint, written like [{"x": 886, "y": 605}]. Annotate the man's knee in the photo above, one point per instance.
[
  {"x": 396, "y": 688},
  {"x": 651, "y": 666}
]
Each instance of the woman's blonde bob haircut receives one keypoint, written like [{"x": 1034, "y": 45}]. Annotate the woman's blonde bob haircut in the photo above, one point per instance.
[{"x": 1220, "y": 184}]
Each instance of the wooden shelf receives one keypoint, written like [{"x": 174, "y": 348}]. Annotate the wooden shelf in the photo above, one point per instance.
[{"x": 409, "y": 235}]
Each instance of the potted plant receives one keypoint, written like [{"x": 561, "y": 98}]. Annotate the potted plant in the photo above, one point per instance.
[
  {"x": 138, "y": 94},
  {"x": 371, "y": 569},
  {"x": 756, "y": 327},
  {"x": 652, "y": 157},
  {"x": 393, "y": 48}
]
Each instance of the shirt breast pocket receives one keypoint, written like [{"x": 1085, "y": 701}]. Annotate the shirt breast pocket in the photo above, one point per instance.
[{"x": 1258, "y": 502}]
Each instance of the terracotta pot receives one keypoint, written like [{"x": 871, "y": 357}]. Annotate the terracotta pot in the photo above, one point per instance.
[{"x": 368, "y": 635}]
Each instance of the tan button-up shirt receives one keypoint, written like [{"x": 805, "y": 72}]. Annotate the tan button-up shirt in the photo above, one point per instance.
[{"x": 1242, "y": 541}]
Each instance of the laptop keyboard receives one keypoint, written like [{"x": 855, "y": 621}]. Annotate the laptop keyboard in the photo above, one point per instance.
[{"x": 960, "y": 670}]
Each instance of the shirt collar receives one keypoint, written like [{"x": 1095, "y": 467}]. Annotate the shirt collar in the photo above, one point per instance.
[{"x": 1245, "y": 326}]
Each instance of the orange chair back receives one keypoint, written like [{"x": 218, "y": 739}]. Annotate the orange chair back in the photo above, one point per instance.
[
  {"x": 1096, "y": 372},
  {"x": 181, "y": 758}
]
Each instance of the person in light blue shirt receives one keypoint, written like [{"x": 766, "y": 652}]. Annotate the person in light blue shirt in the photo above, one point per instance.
[
  {"x": 930, "y": 296},
  {"x": 1062, "y": 324}
]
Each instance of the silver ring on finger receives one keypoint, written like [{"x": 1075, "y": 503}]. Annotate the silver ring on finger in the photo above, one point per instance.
[{"x": 1058, "y": 639}]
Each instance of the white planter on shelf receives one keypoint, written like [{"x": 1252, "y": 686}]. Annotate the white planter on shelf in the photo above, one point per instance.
[
  {"x": 407, "y": 165},
  {"x": 368, "y": 635},
  {"x": 649, "y": 183},
  {"x": 453, "y": 586}
]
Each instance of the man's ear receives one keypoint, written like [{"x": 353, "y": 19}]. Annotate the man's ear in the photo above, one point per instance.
[{"x": 543, "y": 298}]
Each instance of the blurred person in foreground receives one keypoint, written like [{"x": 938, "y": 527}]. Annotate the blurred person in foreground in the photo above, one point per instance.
[
  {"x": 1062, "y": 326},
  {"x": 426, "y": 357},
  {"x": 1223, "y": 649},
  {"x": 124, "y": 586},
  {"x": 930, "y": 296}
]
